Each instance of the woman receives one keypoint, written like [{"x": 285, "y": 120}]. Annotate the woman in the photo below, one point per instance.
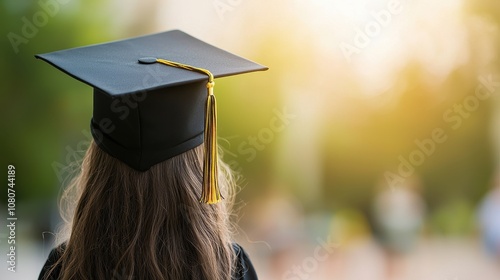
[{"x": 138, "y": 213}]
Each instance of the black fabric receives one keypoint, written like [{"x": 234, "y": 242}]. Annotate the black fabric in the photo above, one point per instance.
[
  {"x": 163, "y": 124},
  {"x": 244, "y": 269}
]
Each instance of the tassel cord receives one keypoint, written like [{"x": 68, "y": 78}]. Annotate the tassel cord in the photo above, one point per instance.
[{"x": 210, "y": 189}]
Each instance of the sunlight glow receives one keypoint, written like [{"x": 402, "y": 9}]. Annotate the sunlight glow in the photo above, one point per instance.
[{"x": 375, "y": 40}]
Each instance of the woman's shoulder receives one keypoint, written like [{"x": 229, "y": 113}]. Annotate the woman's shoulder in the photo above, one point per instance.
[
  {"x": 54, "y": 256},
  {"x": 244, "y": 269}
]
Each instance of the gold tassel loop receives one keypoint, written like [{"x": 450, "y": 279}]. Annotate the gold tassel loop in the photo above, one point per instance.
[{"x": 210, "y": 193}]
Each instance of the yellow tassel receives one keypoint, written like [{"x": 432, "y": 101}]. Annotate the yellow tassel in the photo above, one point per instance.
[{"x": 210, "y": 193}]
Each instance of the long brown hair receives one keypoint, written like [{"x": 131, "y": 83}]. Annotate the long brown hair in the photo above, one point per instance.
[{"x": 146, "y": 225}]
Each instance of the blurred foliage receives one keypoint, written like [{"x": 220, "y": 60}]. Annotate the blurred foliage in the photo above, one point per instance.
[
  {"x": 45, "y": 112},
  {"x": 454, "y": 218}
]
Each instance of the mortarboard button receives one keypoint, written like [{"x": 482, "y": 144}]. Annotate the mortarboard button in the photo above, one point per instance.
[{"x": 147, "y": 60}]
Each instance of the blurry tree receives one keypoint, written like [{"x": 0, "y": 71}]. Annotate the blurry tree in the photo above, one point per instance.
[{"x": 44, "y": 111}]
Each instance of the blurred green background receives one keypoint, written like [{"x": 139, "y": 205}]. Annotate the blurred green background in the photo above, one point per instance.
[{"x": 353, "y": 87}]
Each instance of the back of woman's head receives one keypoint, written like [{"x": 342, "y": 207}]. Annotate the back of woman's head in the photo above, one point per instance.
[{"x": 147, "y": 225}]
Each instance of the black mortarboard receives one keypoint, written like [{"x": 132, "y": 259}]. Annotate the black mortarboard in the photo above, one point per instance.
[{"x": 146, "y": 108}]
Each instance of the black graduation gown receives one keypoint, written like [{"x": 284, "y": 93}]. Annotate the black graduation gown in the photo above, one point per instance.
[{"x": 244, "y": 271}]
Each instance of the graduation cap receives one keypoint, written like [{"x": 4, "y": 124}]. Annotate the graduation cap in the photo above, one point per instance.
[{"x": 153, "y": 97}]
